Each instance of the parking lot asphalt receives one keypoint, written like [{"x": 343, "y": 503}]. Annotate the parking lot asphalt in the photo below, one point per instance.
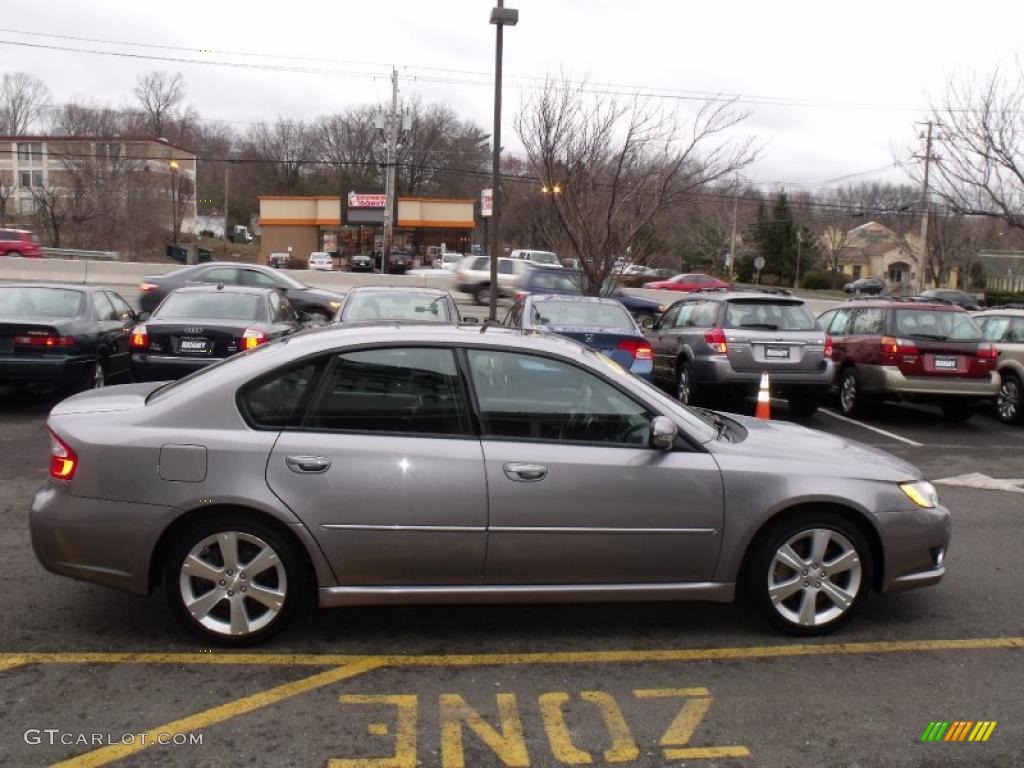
[{"x": 645, "y": 685}]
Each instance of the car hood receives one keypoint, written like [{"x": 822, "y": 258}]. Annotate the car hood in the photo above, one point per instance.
[
  {"x": 122, "y": 397},
  {"x": 783, "y": 441},
  {"x": 320, "y": 293}
]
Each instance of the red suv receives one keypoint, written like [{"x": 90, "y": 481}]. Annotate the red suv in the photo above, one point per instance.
[
  {"x": 913, "y": 350},
  {"x": 19, "y": 242}
]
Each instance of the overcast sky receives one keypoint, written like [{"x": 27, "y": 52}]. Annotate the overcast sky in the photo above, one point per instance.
[{"x": 861, "y": 72}]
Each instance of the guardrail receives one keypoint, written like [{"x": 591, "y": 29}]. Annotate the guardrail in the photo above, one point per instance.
[{"x": 77, "y": 254}]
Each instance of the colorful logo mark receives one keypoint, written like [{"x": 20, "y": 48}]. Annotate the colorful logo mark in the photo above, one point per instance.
[{"x": 959, "y": 730}]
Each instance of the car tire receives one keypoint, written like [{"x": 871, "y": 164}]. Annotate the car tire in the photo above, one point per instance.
[
  {"x": 217, "y": 582},
  {"x": 804, "y": 405},
  {"x": 1010, "y": 400},
  {"x": 789, "y": 574},
  {"x": 851, "y": 401},
  {"x": 686, "y": 389},
  {"x": 956, "y": 411},
  {"x": 15, "y": 254},
  {"x": 482, "y": 295}
]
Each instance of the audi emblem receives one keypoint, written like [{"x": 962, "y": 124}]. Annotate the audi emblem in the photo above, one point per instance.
[{"x": 193, "y": 330}]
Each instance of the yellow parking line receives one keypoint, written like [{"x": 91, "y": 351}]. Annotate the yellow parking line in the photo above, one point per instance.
[
  {"x": 489, "y": 659},
  {"x": 217, "y": 714}
]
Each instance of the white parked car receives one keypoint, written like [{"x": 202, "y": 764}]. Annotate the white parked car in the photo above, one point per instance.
[
  {"x": 540, "y": 258},
  {"x": 448, "y": 260},
  {"x": 321, "y": 260}
]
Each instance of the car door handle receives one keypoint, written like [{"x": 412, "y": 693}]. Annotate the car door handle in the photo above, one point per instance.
[
  {"x": 525, "y": 473},
  {"x": 308, "y": 464}
]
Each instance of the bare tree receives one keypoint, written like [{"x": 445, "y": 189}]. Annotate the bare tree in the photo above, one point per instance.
[
  {"x": 6, "y": 192},
  {"x": 284, "y": 150},
  {"x": 161, "y": 96},
  {"x": 82, "y": 119},
  {"x": 954, "y": 241},
  {"x": 348, "y": 144},
  {"x": 620, "y": 165},
  {"x": 22, "y": 99},
  {"x": 980, "y": 146}
]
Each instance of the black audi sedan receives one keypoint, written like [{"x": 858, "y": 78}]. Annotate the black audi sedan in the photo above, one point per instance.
[
  {"x": 62, "y": 337},
  {"x": 313, "y": 305},
  {"x": 196, "y": 326}
]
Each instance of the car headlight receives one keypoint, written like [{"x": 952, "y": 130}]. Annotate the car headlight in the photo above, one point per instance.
[
  {"x": 921, "y": 493},
  {"x": 662, "y": 308},
  {"x": 334, "y": 304}
]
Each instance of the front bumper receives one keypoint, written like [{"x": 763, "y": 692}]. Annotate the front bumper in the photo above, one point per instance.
[
  {"x": 719, "y": 371},
  {"x": 105, "y": 542},
  {"x": 915, "y": 542},
  {"x": 889, "y": 379},
  {"x": 147, "y": 367}
]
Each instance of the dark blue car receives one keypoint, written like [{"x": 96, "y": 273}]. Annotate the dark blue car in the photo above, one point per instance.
[
  {"x": 600, "y": 323},
  {"x": 566, "y": 283}
]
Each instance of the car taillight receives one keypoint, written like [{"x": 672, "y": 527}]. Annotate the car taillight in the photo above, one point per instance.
[
  {"x": 43, "y": 341},
  {"x": 63, "y": 461},
  {"x": 520, "y": 295},
  {"x": 252, "y": 338},
  {"x": 986, "y": 352},
  {"x": 828, "y": 346},
  {"x": 891, "y": 346},
  {"x": 140, "y": 337},
  {"x": 641, "y": 350},
  {"x": 715, "y": 339},
  {"x": 146, "y": 287}
]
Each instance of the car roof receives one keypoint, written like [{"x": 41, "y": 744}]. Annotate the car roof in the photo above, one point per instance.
[
  {"x": 398, "y": 289},
  {"x": 743, "y": 296},
  {"x": 1012, "y": 311},
  {"x": 63, "y": 286},
  {"x": 886, "y": 303},
  {"x": 236, "y": 289},
  {"x": 571, "y": 299}
]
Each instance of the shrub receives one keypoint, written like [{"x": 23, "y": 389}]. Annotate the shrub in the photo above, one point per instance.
[{"x": 817, "y": 281}]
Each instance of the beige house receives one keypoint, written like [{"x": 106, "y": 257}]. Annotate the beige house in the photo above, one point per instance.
[
  {"x": 35, "y": 163},
  {"x": 874, "y": 250},
  {"x": 305, "y": 224}
]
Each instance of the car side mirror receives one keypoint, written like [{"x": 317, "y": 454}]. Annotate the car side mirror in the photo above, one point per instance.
[
  {"x": 663, "y": 433},
  {"x": 650, "y": 323},
  {"x": 143, "y": 317}
]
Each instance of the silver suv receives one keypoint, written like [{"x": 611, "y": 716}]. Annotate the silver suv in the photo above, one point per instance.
[
  {"x": 474, "y": 276},
  {"x": 1004, "y": 327},
  {"x": 725, "y": 341}
]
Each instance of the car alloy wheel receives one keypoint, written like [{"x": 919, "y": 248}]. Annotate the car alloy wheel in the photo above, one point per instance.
[
  {"x": 814, "y": 577},
  {"x": 848, "y": 392},
  {"x": 1010, "y": 400},
  {"x": 684, "y": 385},
  {"x": 232, "y": 581}
]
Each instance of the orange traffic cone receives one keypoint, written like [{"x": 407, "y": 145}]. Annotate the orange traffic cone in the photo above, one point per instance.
[{"x": 764, "y": 405}]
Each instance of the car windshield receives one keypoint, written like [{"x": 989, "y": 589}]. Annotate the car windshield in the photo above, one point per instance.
[
  {"x": 361, "y": 307},
  {"x": 550, "y": 280},
  {"x": 937, "y": 324},
  {"x": 590, "y": 314},
  {"x": 769, "y": 315},
  {"x": 54, "y": 303},
  {"x": 209, "y": 306},
  {"x": 544, "y": 257}
]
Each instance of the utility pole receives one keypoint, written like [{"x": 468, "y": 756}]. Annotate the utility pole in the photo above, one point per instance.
[
  {"x": 919, "y": 282},
  {"x": 500, "y": 17},
  {"x": 227, "y": 168},
  {"x": 389, "y": 189},
  {"x": 799, "y": 239},
  {"x": 732, "y": 238}
]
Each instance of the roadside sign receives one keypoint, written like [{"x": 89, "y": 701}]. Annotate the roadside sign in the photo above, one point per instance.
[
  {"x": 759, "y": 263},
  {"x": 486, "y": 202}
]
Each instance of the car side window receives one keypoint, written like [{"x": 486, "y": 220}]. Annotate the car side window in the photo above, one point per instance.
[
  {"x": 225, "y": 275},
  {"x": 506, "y": 267},
  {"x": 278, "y": 399},
  {"x": 668, "y": 319},
  {"x": 514, "y": 316},
  {"x": 121, "y": 308},
  {"x": 528, "y": 397},
  {"x": 258, "y": 279},
  {"x": 868, "y": 322},
  {"x": 104, "y": 309},
  {"x": 826, "y": 319},
  {"x": 1016, "y": 333},
  {"x": 683, "y": 315},
  {"x": 840, "y": 324},
  {"x": 995, "y": 327},
  {"x": 280, "y": 309},
  {"x": 412, "y": 391},
  {"x": 703, "y": 314}
]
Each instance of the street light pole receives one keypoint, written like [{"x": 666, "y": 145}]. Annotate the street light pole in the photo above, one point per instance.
[{"x": 500, "y": 17}]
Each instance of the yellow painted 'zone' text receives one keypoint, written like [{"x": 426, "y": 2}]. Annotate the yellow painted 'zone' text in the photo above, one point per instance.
[{"x": 461, "y": 721}]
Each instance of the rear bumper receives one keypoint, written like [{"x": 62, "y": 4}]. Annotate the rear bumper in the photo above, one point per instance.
[
  {"x": 146, "y": 367},
  {"x": 53, "y": 369},
  {"x": 889, "y": 379},
  {"x": 915, "y": 542},
  {"x": 719, "y": 371},
  {"x": 105, "y": 542}
]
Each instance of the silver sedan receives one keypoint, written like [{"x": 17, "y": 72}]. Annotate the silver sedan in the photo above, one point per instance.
[{"x": 448, "y": 464}]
